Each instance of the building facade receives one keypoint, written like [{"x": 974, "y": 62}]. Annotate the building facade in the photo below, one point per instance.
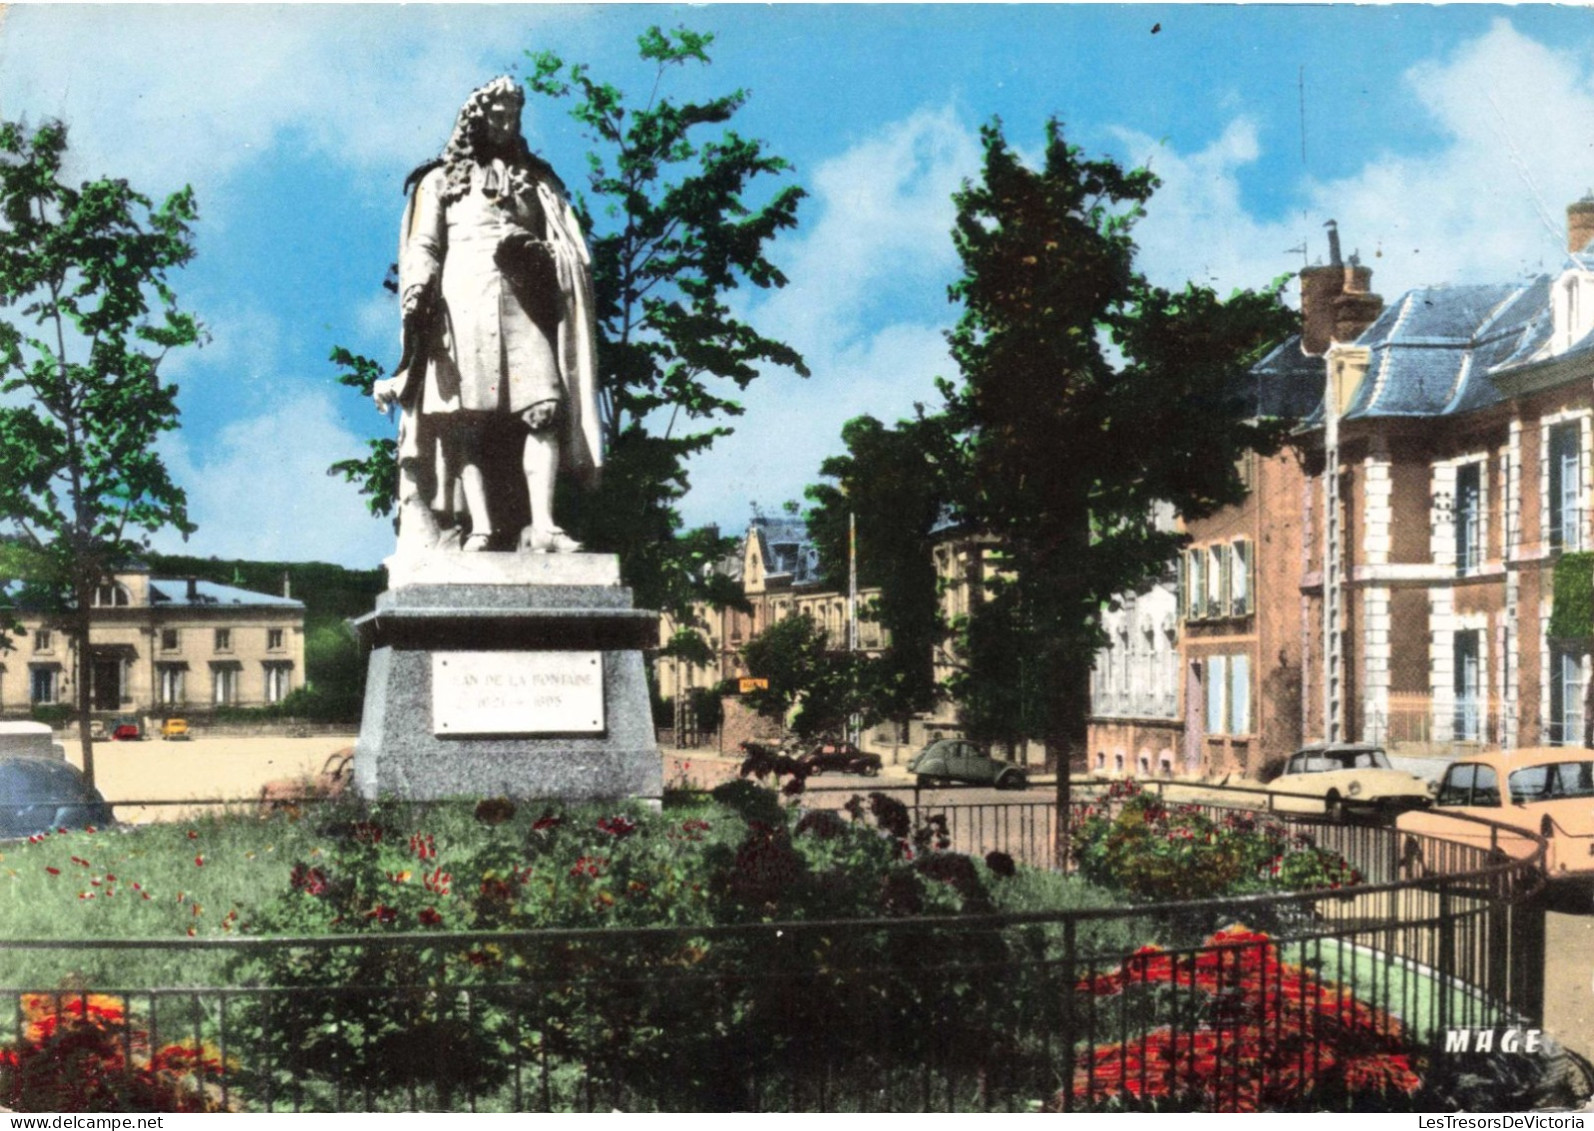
[
  {"x": 1221, "y": 648},
  {"x": 778, "y": 567},
  {"x": 162, "y": 646}
]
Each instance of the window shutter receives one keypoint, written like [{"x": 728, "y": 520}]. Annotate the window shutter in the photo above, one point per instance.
[{"x": 1240, "y": 583}]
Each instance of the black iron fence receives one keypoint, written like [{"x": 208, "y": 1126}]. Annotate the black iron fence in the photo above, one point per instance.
[{"x": 1339, "y": 999}]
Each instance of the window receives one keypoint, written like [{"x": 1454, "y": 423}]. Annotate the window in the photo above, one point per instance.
[
  {"x": 170, "y": 641},
  {"x": 1469, "y": 517},
  {"x": 111, "y": 595},
  {"x": 1566, "y": 699},
  {"x": 1564, "y": 519},
  {"x": 45, "y": 684},
  {"x": 225, "y": 682},
  {"x": 1217, "y": 580},
  {"x": 170, "y": 689},
  {"x": 1553, "y": 782},
  {"x": 224, "y": 640},
  {"x": 1228, "y": 684},
  {"x": 1467, "y": 686},
  {"x": 1217, "y": 694},
  {"x": 1240, "y": 579},
  {"x": 43, "y": 640},
  {"x": 277, "y": 682},
  {"x": 1198, "y": 585},
  {"x": 273, "y": 639},
  {"x": 1239, "y": 694}
]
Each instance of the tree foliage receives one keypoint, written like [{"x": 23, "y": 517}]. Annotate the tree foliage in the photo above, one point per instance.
[
  {"x": 84, "y": 277},
  {"x": 826, "y": 687},
  {"x": 1089, "y": 397},
  {"x": 892, "y": 485},
  {"x": 674, "y": 225}
]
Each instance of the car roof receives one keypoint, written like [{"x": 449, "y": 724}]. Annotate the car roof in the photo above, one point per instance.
[
  {"x": 1340, "y": 748},
  {"x": 1508, "y": 760}
]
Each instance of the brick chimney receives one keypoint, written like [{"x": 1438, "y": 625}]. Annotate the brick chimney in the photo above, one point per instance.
[
  {"x": 1337, "y": 303},
  {"x": 1580, "y": 223}
]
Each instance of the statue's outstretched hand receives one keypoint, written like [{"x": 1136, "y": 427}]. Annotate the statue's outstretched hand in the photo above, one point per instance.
[{"x": 385, "y": 393}]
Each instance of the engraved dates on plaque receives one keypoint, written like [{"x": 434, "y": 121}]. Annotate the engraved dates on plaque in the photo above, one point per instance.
[{"x": 487, "y": 693}]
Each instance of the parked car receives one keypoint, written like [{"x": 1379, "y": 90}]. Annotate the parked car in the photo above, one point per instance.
[
  {"x": 127, "y": 728},
  {"x": 843, "y": 757},
  {"x": 38, "y": 794},
  {"x": 957, "y": 759},
  {"x": 1340, "y": 779},
  {"x": 27, "y": 737},
  {"x": 175, "y": 728},
  {"x": 332, "y": 781},
  {"x": 1547, "y": 790}
]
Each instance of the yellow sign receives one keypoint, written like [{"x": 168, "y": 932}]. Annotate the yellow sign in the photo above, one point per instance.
[{"x": 747, "y": 685}]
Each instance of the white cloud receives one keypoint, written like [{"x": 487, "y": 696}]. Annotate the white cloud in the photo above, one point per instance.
[
  {"x": 874, "y": 250},
  {"x": 1485, "y": 204},
  {"x": 260, "y": 490},
  {"x": 876, "y": 231},
  {"x": 360, "y": 82}
]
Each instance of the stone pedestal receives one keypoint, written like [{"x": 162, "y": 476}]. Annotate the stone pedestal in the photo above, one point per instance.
[{"x": 506, "y": 675}]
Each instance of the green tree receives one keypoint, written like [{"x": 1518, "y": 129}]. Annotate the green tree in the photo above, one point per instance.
[
  {"x": 826, "y": 687},
  {"x": 84, "y": 272},
  {"x": 891, "y": 484},
  {"x": 1089, "y": 396},
  {"x": 675, "y": 220}
]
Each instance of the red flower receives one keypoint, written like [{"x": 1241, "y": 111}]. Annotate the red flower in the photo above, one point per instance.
[
  {"x": 382, "y": 913},
  {"x": 437, "y": 881},
  {"x": 423, "y": 846},
  {"x": 199, "y": 861},
  {"x": 193, "y": 834},
  {"x": 52, "y": 871},
  {"x": 546, "y": 822},
  {"x": 429, "y": 917},
  {"x": 616, "y": 826}
]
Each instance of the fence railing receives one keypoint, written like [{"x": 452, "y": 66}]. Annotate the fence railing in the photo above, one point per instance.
[{"x": 1056, "y": 1010}]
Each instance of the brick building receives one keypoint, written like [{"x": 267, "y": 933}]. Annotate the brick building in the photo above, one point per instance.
[
  {"x": 1451, "y": 459},
  {"x": 1220, "y": 646}
]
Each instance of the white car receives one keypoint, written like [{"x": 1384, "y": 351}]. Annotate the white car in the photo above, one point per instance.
[{"x": 1338, "y": 779}]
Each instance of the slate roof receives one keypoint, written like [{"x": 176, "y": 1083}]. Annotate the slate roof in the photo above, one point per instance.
[
  {"x": 787, "y": 548},
  {"x": 173, "y": 591},
  {"x": 1287, "y": 384},
  {"x": 1434, "y": 351}
]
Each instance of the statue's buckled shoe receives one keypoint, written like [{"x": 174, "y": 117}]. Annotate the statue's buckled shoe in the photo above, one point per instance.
[{"x": 551, "y": 541}]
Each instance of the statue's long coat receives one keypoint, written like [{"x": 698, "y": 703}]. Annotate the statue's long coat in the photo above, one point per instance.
[{"x": 482, "y": 351}]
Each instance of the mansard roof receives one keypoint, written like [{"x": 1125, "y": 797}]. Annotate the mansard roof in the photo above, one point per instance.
[
  {"x": 1287, "y": 384},
  {"x": 174, "y": 591},
  {"x": 1437, "y": 350},
  {"x": 786, "y": 548}
]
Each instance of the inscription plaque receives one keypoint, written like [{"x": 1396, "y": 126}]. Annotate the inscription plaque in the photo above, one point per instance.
[{"x": 517, "y": 693}]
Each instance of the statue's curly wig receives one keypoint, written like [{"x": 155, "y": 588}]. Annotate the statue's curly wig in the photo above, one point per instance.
[{"x": 467, "y": 145}]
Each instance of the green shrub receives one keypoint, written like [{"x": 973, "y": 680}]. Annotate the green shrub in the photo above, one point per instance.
[{"x": 1136, "y": 844}]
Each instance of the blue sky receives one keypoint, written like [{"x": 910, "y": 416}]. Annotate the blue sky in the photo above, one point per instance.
[{"x": 1446, "y": 141}]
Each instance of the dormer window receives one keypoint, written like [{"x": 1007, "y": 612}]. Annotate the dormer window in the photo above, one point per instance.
[{"x": 1574, "y": 315}]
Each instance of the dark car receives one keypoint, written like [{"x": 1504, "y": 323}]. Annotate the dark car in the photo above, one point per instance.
[
  {"x": 957, "y": 759},
  {"x": 332, "y": 782},
  {"x": 38, "y": 794},
  {"x": 843, "y": 757}
]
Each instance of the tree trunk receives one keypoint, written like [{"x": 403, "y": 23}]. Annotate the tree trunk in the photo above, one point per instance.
[
  {"x": 84, "y": 665},
  {"x": 1067, "y": 719}
]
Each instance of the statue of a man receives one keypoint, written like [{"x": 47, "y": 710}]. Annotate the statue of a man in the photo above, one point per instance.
[{"x": 498, "y": 378}]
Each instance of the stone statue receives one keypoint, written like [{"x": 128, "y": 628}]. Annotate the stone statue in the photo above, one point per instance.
[{"x": 498, "y": 374}]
